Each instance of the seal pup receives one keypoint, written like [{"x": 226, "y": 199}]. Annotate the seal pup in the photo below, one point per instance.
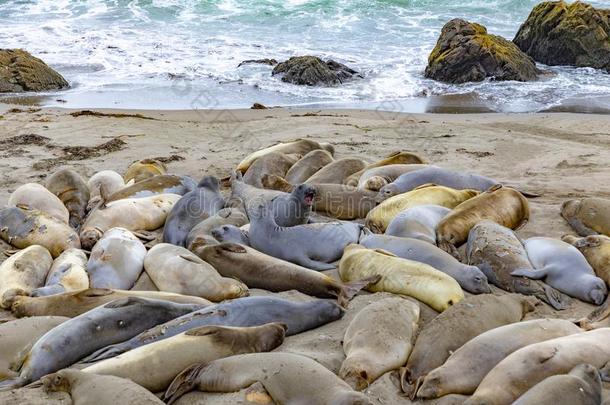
[
  {"x": 308, "y": 165},
  {"x": 296, "y": 147},
  {"x": 197, "y": 345},
  {"x": 563, "y": 267},
  {"x": 337, "y": 171},
  {"x": 272, "y": 163},
  {"x": 596, "y": 249},
  {"x": 144, "y": 169},
  {"x": 175, "y": 269},
  {"x": 232, "y": 234},
  {"x": 418, "y": 222},
  {"x": 101, "y": 185},
  {"x": 288, "y": 378},
  {"x": 37, "y": 197},
  {"x": 374, "y": 179},
  {"x": 201, "y": 234},
  {"x": 378, "y": 340},
  {"x": 116, "y": 260},
  {"x": 163, "y": 184},
  {"x": 68, "y": 273},
  {"x": 72, "y": 190},
  {"x": 589, "y": 216},
  {"x": 23, "y": 272},
  {"x": 498, "y": 252},
  {"x": 395, "y": 158}
]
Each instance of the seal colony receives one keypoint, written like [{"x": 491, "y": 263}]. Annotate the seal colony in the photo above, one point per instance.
[{"x": 147, "y": 284}]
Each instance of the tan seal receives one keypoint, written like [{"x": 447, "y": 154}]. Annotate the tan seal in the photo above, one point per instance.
[
  {"x": 588, "y": 216},
  {"x": 272, "y": 163},
  {"x": 72, "y": 190},
  {"x": 144, "y": 169},
  {"x": 374, "y": 179},
  {"x": 395, "y": 158},
  {"x": 201, "y": 234},
  {"x": 297, "y": 147},
  {"x": 308, "y": 165},
  {"x": 68, "y": 273},
  {"x": 337, "y": 171},
  {"x": 162, "y": 184},
  {"x": 23, "y": 272},
  {"x": 596, "y": 249},
  {"x": 101, "y": 185},
  {"x": 39, "y": 198}
]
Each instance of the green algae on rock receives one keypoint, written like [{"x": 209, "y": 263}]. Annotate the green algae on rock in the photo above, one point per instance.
[{"x": 20, "y": 71}]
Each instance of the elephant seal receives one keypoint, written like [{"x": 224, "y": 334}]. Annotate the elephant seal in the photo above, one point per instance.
[
  {"x": 192, "y": 208},
  {"x": 528, "y": 366},
  {"x": 175, "y": 269},
  {"x": 258, "y": 270},
  {"x": 418, "y": 222},
  {"x": 400, "y": 276},
  {"x": 470, "y": 278},
  {"x": 380, "y": 217},
  {"x": 272, "y": 163},
  {"x": 466, "y": 320},
  {"x": 498, "y": 252},
  {"x": 134, "y": 214},
  {"x": 102, "y": 326},
  {"x": 22, "y": 227},
  {"x": 198, "y": 345},
  {"x": 396, "y": 158},
  {"x": 308, "y": 165},
  {"x": 297, "y": 147},
  {"x": 378, "y": 340},
  {"x": 72, "y": 190},
  {"x": 116, "y": 260},
  {"x": 85, "y": 388},
  {"x": 201, "y": 234},
  {"x": 75, "y": 303},
  {"x": 231, "y": 234},
  {"x": 288, "y": 378},
  {"x": 563, "y": 267},
  {"x": 337, "y": 171},
  {"x": 588, "y": 216},
  {"x": 247, "y": 311},
  {"x": 68, "y": 273},
  {"x": 596, "y": 249},
  {"x": 37, "y": 197},
  {"x": 374, "y": 179},
  {"x": 581, "y": 386},
  {"x": 163, "y": 184},
  {"x": 468, "y": 365},
  {"x": 503, "y": 205},
  {"x": 144, "y": 169},
  {"x": 314, "y": 246},
  {"x": 23, "y": 272},
  {"x": 102, "y": 185}
]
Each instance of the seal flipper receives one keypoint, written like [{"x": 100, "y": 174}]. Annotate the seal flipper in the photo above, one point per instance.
[
  {"x": 555, "y": 298},
  {"x": 107, "y": 352},
  {"x": 579, "y": 227},
  {"x": 604, "y": 372},
  {"x": 316, "y": 265},
  {"x": 184, "y": 382},
  {"x": 529, "y": 273},
  {"x": 349, "y": 290},
  {"x": 13, "y": 383}
]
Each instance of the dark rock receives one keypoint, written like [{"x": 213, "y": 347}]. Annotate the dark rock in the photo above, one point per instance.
[
  {"x": 20, "y": 71},
  {"x": 270, "y": 62},
  {"x": 465, "y": 52},
  {"x": 258, "y": 106},
  {"x": 577, "y": 34},
  {"x": 312, "y": 71}
]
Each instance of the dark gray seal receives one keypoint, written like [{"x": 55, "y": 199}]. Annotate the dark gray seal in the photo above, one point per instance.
[
  {"x": 232, "y": 234},
  {"x": 72, "y": 190}
]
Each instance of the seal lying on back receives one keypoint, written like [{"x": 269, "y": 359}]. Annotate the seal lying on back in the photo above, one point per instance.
[
  {"x": 498, "y": 252},
  {"x": 418, "y": 222},
  {"x": 596, "y": 249},
  {"x": 396, "y": 158},
  {"x": 23, "y": 272},
  {"x": 72, "y": 190},
  {"x": 308, "y": 165},
  {"x": 563, "y": 267},
  {"x": 144, "y": 169},
  {"x": 101, "y": 185},
  {"x": 297, "y": 147},
  {"x": 35, "y": 196},
  {"x": 68, "y": 273},
  {"x": 288, "y": 378},
  {"x": 337, "y": 171},
  {"x": 588, "y": 216},
  {"x": 247, "y": 311},
  {"x": 273, "y": 163},
  {"x": 165, "y": 184}
]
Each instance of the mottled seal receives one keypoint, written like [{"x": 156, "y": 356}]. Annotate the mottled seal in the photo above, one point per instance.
[
  {"x": 72, "y": 190},
  {"x": 563, "y": 267},
  {"x": 395, "y": 158},
  {"x": 498, "y": 252},
  {"x": 470, "y": 278},
  {"x": 337, "y": 171},
  {"x": 68, "y": 273},
  {"x": 588, "y": 216},
  {"x": 23, "y": 272},
  {"x": 308, "y": 165},
  {"x": 164, "y": 184},
  {"x": 596, "y": 249},
  {"x": 201, "y": 234},
  {"x": 376, "y": 178},
  {"x": 102, "y": 185},
  {"x": 465, "y": 320},
  {"x": 400, "y": 276},
  {"x": 296, "y": 147},
  {"x": 288, "y": 378},
  {"x": 418, "y": 222},
  {"x": 378, "y": 339},
  {"x": 196, "y": 345},
  {"x": 175, "y": 269},
  {"x": 144, "y": 169},
  {"x": 272, "y": 163},
  {"x": 116, "y": 260},
  {"x": 232, "y": 234},
  {"x": 37, "y": 197}
]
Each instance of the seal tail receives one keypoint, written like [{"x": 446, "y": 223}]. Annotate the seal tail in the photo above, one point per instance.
[
  {"x": 349, "y": 290},
  {"x": 11, "y": 384},
  {"x": 105, "y": 353},
  {"x": 409, "y": 388},
  {"x": 184, "y": 382}
]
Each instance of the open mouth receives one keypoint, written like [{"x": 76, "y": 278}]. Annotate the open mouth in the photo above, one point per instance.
[{"x": 309, "y": 197}]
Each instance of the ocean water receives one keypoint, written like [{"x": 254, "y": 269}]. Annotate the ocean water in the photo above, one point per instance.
[{"x": 180, "y": 54}]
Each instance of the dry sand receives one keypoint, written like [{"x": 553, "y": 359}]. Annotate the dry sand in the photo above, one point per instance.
[{"x": 556, "y": 155}]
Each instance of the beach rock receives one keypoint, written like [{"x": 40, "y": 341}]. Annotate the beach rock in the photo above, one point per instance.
[
  {"x": 557, "y": 33},
  {"x": 312, "y": 71},
  {"x": 20, "y": 71},
  {"x": 465, "y": 52},
  {"x": 266, "y": 61}
]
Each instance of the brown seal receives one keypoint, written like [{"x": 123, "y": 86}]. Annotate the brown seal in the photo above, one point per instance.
[
  {"x": 337, "y": 171},
  {"x": 272, "y": 163},
  {"x": 144, "y": 169},
  {"x": 308, "y": 165},
  {"x": 72, "y": 190},
  {"x": 588, "y": 216},
  {"x": 296, "y": 147}
]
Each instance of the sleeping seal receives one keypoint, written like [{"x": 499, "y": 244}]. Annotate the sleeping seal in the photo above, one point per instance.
[
  {"x": 101, "y": 185},
  {"x": 23, "y": 272},
  {"x": 588, "y": 216},
  {"x": 72, "y": 190},
  {"x": 37, "y": 197},
  {"x": 395, "y": 158},
  {"x": 374, "y": 179},
  {"x": 201, "y": 234},
  {"x": 68, "y": 273},
  {"x": 144, "y": 169},
  {"x": 596, "y": 249},
  {"x": 297, "y": 147},
  {"x": 164, "y": 184},
  {"x": 337, "y": 171},
  {"x": 308, "y": 165},
  {"x": 418, "y": 222},
  {"x": 272, "y": 163}
]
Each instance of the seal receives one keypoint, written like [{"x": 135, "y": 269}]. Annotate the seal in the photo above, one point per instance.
[
  {"x": 380, "y": 217},
  {"x": 102, "y": 185},
  {"x": 588, "y": 216},
  {"x": 468, "y": 365},
  {"x": 314, "y": 246},
  {"x": 37, "y": 197},
  {"x": 23, "y": 272},
  {"x": 498, "y": 252},
  {"x": 374, "y": 179},
  {"x": 198, "y": 345},
  {"x": 418, "y": 222},
  {"x": 596, "y": 249},
  {"x": 192, "y": 208},
  {"x": 102, "y": 326},
  {"x": 395, "y": 158},
  {"x": 22, "y": 227},
  {"x": 400, "y": 276},
  {"x": 247, "y": 311},
  {"x": 163, "y": 184},
  {"x": 538, "y": 361},
  {"x": 258, "y": 270},
  {"x": 466, "y": 320},
  {"x": 337, "y": 171},
  {"x": 272, "y": 163},
  {"x": 175, "y": 269},
  {"x": 232, "y": 234},
  {"x": 470, "y": 278},
  {"x": 503, "y": 205},
  {"x": 68, "y": 273},
  {"x": 378, "y": 340},
  {"x": 563, "y": 267},
  {"x": 133, "y": 214},
  {"x": 116, "y": 260},
  {"x": 201, "y": 234},
  {"x": 288, "y": 378},
  {"x": 308, "y": 165},
  {"x": 71, "y": 304},
  {"x": 296, "y": 147},
  {"x": 85, "y": 388},
  {"x": 72, "y": 190},
  {"x": 144, "y": 169}
]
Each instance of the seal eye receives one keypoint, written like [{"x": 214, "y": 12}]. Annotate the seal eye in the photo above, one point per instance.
[{"x": 121, "y": 324}]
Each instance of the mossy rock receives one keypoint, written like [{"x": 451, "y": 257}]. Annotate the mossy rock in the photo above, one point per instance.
[
  {"x": 20, "y": 71},
  {"x": 313, "y": 71},
  {"x": 557, "y": 33},
  {"x": 465, "y": 52}
]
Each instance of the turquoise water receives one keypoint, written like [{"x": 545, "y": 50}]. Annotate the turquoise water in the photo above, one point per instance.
[{"x": 184, "y": 53}]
